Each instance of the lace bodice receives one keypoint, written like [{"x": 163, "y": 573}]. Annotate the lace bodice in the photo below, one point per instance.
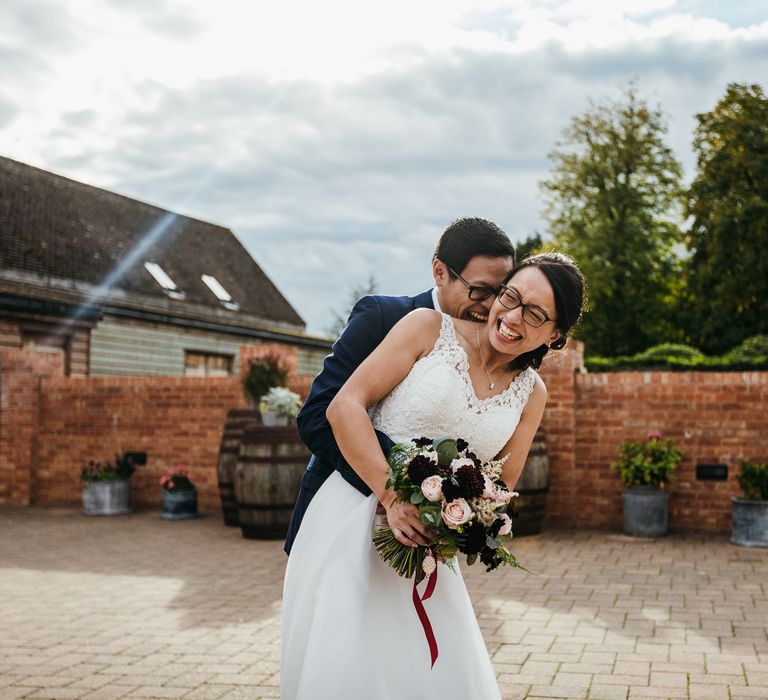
[{"x": 437, "y": 398}]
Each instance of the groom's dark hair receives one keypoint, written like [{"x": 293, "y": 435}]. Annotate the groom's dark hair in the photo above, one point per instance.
[{"x": 467, "y": 237}]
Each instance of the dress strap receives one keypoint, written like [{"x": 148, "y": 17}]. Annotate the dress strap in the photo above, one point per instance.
[{"x": 447, "y": 340}]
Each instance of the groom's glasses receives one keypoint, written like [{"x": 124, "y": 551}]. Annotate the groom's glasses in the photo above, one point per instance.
[{"x": 476, "y": 292}]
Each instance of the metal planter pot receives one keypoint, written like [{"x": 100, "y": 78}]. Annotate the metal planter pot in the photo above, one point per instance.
[
  {"x": 107, "y": 497},
  {"x": 179, "y": 505},
  {"x": 645, "y": 511},
  {"x": 750, "y": 522},
  {"x": 273, "y": 419}
]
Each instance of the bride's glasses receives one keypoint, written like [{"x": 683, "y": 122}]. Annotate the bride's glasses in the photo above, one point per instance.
[
  {"x": 510, "y": 299},
  {"x": 476, "y": 292}
]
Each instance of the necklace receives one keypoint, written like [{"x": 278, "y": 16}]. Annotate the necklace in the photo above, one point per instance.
[{"x": 491, "y": 382}]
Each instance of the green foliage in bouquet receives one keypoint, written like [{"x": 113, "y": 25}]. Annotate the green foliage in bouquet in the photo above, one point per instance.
[
  {"x": 753, "y": 480},
  {"x": 122, "y": 468},
  {"x": 648, "y": 463},
  {"x": 462, "y": 500}
]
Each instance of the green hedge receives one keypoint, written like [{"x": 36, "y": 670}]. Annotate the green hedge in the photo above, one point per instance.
[{"x": 751, "y": 355}]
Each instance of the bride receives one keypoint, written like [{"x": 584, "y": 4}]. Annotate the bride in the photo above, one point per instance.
[{"x": 349, "y": 627}]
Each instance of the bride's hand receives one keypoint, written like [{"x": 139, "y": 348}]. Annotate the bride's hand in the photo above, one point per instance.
[{"x": 405, "y": 523}]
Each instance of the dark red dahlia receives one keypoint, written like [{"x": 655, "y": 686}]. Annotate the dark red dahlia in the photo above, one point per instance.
[
  {"x": 474, "y": 458},
  {"x": 420, "y": 468},
  {"x": 493, "y": 530},
  {"x": 461, "y": 445},
  {"x": 422, "y": 442},
  {"x": 474, "y": 538},
  {"x": 470, "y": 480},
  {"x": 489, "y": 558},
  {"x": 451, "y": 488}
]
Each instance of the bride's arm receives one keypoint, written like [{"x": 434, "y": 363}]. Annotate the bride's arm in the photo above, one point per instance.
[
  {"x": 411, "y": 338},
  {"x": 519, "y": 444}
]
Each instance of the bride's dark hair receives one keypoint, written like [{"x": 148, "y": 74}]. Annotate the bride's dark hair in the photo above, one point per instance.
[{"x": 569, "y": 289}]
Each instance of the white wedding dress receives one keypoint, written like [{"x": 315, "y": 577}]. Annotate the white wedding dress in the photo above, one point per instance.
[{"x": 350, "y": 630}]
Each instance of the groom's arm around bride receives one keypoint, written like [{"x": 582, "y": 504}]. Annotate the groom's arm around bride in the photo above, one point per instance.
[{"x": 471, "y": 257}]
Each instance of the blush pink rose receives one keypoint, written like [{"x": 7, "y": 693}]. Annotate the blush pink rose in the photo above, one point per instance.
[
  {"x": 456, "y": 513},
  {"x": 461, "y": 462},
  {"x": 506, "y": 527},
  {"x": 432, "y": 488}
]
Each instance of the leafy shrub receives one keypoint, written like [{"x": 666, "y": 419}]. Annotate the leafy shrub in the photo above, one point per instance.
[
  {"x": 264, "y": 373},
  {"x": 752, "y": 348},
  {"x": 648, "y": 463},
  {"x": 753, "y": 480},
  {"x": 667, "y": 351},
  {"x": 751, "y": 355}
]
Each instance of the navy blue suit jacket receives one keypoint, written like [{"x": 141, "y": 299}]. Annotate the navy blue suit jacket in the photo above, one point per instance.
[{"x": 371, "y": 319}]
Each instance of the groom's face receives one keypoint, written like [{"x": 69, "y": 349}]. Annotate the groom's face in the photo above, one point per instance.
[{"x": 481, "y": 271}]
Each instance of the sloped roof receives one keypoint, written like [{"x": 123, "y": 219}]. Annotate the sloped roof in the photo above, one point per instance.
[{"x": 67, "y": 235}]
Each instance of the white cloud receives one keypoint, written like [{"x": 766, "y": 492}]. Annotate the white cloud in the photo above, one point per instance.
[{"x": 336, "y": 139}]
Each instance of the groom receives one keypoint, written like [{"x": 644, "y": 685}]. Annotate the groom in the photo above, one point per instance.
[{"x": 471, "y": 258}]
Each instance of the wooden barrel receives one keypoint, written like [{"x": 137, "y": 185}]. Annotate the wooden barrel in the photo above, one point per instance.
[
  {"x": 533, "y": 486},
  {"x": 267, "y": 478},
  {"x": 238, "y": 421}
]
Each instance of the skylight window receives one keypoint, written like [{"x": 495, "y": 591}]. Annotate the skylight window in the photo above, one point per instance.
[
  {"x": 164, "y": 280},
  {"x": 221, "y": 294}
]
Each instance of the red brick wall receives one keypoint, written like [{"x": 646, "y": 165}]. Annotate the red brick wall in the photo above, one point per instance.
[
  {"x": 52, "y": 425},
  {"x": 173, "y": 419},
  {"x": 715, "y": 417}
]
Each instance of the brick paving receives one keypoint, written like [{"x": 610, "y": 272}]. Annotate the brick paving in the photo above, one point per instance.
[{"x": 139, "y": 607}]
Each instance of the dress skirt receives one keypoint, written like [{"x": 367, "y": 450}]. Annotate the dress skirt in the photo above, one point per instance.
[{"x": 350, "y": 629}]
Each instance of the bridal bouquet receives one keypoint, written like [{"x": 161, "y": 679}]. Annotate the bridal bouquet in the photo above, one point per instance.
[{"x": 461, "y": 499}]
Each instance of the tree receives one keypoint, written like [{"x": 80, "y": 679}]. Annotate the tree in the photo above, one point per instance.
[
  {"x": 728, "y": 200},
  {"x": 613, "y": 203},
  {"x": 530, "y": 246},
  {"x": 358, "y": 291}
]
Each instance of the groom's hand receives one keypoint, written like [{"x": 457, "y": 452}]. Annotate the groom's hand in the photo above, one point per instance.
[{"x": 403, "y": 518}]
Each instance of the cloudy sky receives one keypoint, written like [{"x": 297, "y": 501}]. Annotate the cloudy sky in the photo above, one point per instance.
[{"x": 337, "y": 138}]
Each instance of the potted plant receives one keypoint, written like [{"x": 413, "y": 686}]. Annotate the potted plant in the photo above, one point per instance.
[
  {"x": 179, "y": 494},
  {"x": 107, "y": 486},
  {"x": 262, "y": 374},
  {"x": 646, "y": 467},
  {"x": 750, "y": 512},
  {"x": 279, "y": 406}
]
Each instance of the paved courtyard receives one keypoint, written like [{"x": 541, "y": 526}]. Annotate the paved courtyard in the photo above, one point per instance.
[{"x": 139, "y": 607}]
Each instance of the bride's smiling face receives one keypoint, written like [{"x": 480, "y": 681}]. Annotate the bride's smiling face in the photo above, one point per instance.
[{"x": 531, "y": 321}]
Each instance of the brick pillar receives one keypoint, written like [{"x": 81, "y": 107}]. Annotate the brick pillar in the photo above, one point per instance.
[
  {"x": 559, "y": 374},
  {"x": 21, "y": 375}
]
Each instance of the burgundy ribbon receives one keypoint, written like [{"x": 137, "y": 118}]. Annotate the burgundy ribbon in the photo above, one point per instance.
[{"x": 422, "y": 613}]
